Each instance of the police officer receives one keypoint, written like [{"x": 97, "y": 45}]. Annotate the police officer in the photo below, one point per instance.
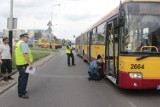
[
  {"x": 23, "y": 58},
  {"x": 69, "y": 54}
]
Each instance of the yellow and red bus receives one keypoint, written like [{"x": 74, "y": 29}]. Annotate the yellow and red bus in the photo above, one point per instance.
[{"x": 128, "y": 38}]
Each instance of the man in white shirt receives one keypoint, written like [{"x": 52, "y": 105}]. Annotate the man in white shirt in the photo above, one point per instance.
[{"x": 5, "y": 60}]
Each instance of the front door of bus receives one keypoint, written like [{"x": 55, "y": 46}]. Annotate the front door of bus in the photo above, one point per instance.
[{"x": 111, "y": 50}]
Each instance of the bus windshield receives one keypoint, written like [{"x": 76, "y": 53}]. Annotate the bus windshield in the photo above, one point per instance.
[{"x": 142, "y": 28}]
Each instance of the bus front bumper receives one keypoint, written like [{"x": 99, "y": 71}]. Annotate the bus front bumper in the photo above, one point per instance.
[{"x": 131, "y": 83}]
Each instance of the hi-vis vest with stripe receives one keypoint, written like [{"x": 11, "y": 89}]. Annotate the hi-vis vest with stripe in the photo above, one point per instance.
[
  {"x": 68, "y": 51},
  {"x": 19, "y": 56}
]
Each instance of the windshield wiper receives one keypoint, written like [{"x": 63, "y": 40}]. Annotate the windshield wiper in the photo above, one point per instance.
[{"x": 143, "y": 57}]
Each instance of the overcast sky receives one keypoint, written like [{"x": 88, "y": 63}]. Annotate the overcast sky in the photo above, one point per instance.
[{"x": 72, "y": 17}]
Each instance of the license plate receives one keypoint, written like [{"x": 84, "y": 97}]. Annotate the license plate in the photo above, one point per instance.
[{"x": 158, "y": 87}]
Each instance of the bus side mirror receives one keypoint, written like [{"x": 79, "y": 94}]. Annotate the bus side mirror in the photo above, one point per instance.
[{"x": 121, "y": 18}]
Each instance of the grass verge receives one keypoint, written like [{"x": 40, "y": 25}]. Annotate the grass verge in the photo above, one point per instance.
[
  {"x": 42, "y": 49},
  {"x": 36, "y": 56}
]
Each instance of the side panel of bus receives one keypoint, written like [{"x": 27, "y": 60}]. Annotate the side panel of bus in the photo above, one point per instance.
[
  {"x": 97, "y": 50},
  {"x": 89, "y": 39},
  {"x": 80, "y": 52}
]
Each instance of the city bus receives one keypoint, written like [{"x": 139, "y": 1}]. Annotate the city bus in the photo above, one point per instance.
[
  {"x": 46, "y": 44},
  {"x": 128, "y": 39}
]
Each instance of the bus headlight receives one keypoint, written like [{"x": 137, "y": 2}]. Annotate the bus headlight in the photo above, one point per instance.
[{"x": 136, "y": 75}]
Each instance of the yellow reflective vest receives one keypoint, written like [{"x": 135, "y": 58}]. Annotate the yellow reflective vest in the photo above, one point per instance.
[
  {"x": 19, "y": 55},
  {"x": 68, "y": 51}
]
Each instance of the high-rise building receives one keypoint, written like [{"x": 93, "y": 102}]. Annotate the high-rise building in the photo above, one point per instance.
[
  {"x": 1, "y": 34},
  {"x": 16, "y": 33},
  {"x": 31, "y": 32}
]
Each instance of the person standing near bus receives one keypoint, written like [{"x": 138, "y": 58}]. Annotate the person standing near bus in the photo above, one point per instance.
[
  {"x": 24, "y": 59},
  {"x": 5, "y": 60},
  {"x": 69, "y": 54},
  {"x": 93, "y": 69}
]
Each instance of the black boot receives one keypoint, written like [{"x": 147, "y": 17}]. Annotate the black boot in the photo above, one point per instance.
[
  {"x": 10, "y": 78},
  {"x": 5, "y": 79}
]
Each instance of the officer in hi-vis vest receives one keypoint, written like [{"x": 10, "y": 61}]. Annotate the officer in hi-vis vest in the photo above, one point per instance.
[
  {"x": 69, "y": 54},
  {"x": 23, "y": 58}
]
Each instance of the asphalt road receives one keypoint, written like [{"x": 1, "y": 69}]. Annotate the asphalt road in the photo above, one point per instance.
[{"x": 57, "y": 85}]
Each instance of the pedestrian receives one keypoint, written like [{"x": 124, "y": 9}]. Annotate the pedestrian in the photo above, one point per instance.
[
  {"x": 24, "y": 59},
  {"x": 70, "y": 54},
  {"x": 5, "y": 60},
  {"x": 93, "y": 69}
]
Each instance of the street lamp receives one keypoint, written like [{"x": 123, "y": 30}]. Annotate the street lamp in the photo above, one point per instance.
[
  {"x": 50, "y": 27},
  {"x": 52, "y": 10}
]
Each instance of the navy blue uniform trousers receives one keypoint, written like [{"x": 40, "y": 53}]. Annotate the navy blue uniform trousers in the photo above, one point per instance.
[{"x": 22, "y": 79}]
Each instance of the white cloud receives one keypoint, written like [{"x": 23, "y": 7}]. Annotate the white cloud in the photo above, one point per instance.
[{"x": 71, "y": 18}]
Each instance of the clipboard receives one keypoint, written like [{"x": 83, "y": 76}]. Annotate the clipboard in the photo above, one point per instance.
[{"x": 30, "y": 71}]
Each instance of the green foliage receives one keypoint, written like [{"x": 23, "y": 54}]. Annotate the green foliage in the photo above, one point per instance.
[
  {"x": 38, "y": 35},
  {"x": 42, "y": 49},
  {"x": 36, "y": 56}
]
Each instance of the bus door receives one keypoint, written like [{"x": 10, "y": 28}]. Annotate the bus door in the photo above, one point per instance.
[
  {"x": 89, "y": 46},
  {"x": 111, "y": 52}
]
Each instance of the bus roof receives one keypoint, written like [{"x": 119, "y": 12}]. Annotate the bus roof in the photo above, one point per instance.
[
  {"x": 103, "y": 19},
  {"x": 114, "y": 12}
]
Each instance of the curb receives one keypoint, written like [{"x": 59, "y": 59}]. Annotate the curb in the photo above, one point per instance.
[{"x": 8, "y": 86}]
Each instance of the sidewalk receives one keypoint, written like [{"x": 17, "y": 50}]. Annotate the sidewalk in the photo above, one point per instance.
[{"x": 4, "y": 86}]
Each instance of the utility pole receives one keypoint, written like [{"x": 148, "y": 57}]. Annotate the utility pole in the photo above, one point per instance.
[{"x": 11, "y": 25}]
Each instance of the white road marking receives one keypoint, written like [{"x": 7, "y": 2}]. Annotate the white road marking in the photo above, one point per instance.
[
  {"x": 132, "y": 104},
  {"x": 110, "y": 105}
]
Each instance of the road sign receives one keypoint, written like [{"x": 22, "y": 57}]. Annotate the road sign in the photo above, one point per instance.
[
  {"x": 14, "y": 23},
  {"x": 49, "y": 29},
  {"x": 49, "y": 23}
]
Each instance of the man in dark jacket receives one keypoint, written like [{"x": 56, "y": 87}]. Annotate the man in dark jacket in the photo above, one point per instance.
[{"x": 93, "y": 69}]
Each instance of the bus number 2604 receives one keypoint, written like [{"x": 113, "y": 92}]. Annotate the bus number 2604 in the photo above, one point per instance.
[{"x": 137, "y": 66}]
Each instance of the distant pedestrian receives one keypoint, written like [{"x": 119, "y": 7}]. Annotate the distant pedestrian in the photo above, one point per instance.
[
  {"x": 5, "y": 60},
  {"x": 93, "y": 69},
  {"x": 69, "y": 54},
  {"x": 24, "y": 59}
]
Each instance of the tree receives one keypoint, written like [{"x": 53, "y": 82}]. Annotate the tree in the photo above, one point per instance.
[{"x": 38, "y": 35}]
